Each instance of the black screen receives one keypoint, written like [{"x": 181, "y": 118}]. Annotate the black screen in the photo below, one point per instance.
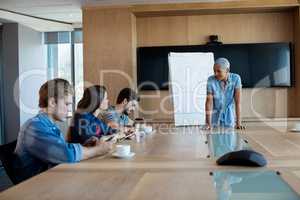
[{"x": 259, "y": 65}]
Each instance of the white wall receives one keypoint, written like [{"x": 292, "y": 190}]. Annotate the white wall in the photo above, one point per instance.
[
  {"x": 24, "y": 56},
  {"x": 32, "y": 70}
]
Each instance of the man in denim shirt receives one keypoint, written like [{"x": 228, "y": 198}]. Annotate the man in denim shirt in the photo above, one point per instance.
[
  {"x": 41, "y": 145},
  {"x": 117, "y": 116}
]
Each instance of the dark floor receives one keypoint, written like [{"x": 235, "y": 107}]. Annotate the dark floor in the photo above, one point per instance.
[{"x": 5, "y": 182}]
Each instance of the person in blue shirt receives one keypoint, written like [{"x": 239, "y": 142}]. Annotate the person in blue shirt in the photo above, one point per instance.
[
  {"x": 223, "y": 101},
  {"x": 86, "y": 128},
  {"x": 118, "y": 116},
  {"x": 41, "y": 145}
]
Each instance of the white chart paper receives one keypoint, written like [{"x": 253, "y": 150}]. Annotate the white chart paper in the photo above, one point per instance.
[{"x": 188, "y": 77}]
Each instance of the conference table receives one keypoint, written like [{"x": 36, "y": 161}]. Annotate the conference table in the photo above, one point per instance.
[{"x": 177, "y": 163}]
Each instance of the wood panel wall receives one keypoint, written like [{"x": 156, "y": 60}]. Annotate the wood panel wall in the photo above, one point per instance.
[
  {"x": 109, "y": 49},
  {"x": 111, "y": 36},
  {"x": 232, "y": 28}
]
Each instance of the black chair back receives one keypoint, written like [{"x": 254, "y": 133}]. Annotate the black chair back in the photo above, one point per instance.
[{"x": 7, "y": 157}]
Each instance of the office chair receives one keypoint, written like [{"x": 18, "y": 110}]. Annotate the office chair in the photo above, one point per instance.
[{"x": 7, "y": 158}]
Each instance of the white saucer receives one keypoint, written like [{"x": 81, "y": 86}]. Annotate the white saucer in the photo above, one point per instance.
[
  {"x": 123, "y": 156},
  {"x": 149, "y": 133},
  {"x": 294, "y": 130}
]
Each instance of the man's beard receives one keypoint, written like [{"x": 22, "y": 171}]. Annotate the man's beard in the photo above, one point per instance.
[{"x": 125, "y": 112}]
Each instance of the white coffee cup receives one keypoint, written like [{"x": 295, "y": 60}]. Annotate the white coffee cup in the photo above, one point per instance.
[
  {"x": 297, "y": 126},
  {"x": 123, "y": 150}
]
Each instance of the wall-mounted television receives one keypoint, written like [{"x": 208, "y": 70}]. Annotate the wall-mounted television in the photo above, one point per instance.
[{"x": 259, "y": 64}]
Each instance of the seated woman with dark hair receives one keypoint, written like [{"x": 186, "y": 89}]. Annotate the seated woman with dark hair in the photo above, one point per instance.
[{"x": 86, "y": 128}]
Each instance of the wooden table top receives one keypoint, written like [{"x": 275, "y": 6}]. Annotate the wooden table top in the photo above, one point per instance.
[{"x": 172, "y": 164}]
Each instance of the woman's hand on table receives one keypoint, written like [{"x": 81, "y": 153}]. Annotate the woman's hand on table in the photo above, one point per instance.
[
  {"x": 239, "y": 126},
  {"x": 128, "y": 130},
  {"x": 207, "y": 127},
  {"x": 91, "y": 142}
]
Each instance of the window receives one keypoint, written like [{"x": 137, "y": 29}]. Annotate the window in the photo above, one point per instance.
[
  {"x": 59, "y": 61},
  {"x": 65, "y": 58}
]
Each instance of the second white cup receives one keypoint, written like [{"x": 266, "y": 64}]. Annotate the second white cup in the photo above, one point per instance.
[{"x": 123, "y": 150}]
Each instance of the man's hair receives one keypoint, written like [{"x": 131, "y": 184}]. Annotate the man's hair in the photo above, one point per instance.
[
  {"x": 128, "y": 94},
  {"x": 56, "y": 88}
]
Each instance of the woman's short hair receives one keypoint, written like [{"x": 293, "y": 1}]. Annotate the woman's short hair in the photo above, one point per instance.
[{"x": 223, "y": 63}]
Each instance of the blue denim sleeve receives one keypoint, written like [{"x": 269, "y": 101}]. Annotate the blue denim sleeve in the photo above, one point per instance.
[
  {"x": 49, "y": 145},
  {"x": 238, "y": 84},
  {"x": 111, "y": 116}
]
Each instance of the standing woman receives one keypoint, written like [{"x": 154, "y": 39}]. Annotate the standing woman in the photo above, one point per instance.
[
  {"x": 223, "y": 101},
  {"x": 86, "y": 128}
]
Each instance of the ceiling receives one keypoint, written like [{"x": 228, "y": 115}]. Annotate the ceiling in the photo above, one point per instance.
[{"x": 70, "y": 10}]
